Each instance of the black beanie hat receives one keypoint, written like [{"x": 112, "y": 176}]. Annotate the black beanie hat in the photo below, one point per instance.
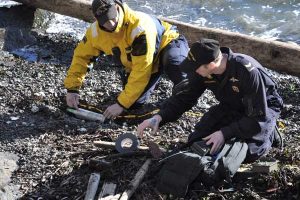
[
  {"x": 104, "y": 10},
  {"x": 202, "y": 52}
]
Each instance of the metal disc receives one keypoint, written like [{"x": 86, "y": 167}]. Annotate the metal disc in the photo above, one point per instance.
[{"x": 127, "y": 142}]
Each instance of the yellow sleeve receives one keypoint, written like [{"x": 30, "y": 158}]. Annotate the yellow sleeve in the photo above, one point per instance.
[
  {"x": 141, "y": 70},
  {"x": 83, "y": 55}
]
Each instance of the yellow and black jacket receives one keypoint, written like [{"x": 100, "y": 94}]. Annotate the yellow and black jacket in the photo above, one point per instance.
[{"x": 137, "y": 46}]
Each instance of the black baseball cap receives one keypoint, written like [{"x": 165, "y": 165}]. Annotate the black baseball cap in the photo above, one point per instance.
[
  {"x": 202, "y": 52},
  {"x": 104, "y": 10}
]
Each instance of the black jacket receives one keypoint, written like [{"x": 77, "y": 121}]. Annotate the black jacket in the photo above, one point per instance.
[{"x": 244, "y": 87}]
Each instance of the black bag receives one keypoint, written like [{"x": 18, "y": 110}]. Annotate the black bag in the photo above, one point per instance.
[
  {"x": 181, "y": 169},
  {"x": 178, "y": 171}
]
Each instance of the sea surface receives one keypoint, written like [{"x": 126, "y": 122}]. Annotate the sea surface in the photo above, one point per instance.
[{"x": 275, "y": 20}]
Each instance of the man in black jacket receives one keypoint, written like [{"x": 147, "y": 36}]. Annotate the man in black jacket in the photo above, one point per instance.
[{"x": 249, "y": 103}]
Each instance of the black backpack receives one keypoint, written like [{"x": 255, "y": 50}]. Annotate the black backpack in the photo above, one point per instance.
[{"x": 185, "y": 167}]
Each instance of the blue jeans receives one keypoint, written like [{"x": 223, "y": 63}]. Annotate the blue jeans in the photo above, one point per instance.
[{"x": 170, "y": 59}]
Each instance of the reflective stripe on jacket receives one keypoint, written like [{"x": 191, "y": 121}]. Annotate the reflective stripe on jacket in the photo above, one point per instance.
[{"x": 136, "y": 25}]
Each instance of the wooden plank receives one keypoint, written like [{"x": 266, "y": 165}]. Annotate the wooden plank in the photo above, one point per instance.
[
  {"x": 280, "y": 56},
  {"x": 111, "y": 145},
  {"x": 92, "y": 186},
  {"x": 265, "y": 165},
  {"x": 107, "y": 191}
]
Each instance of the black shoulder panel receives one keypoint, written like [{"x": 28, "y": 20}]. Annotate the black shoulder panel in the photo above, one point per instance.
[{"x": 139, "y": 46}]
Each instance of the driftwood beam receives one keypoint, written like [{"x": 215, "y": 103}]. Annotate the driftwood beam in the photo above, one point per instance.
[
  {"x": 279, "y": 56},
  {"x": 136, "y": 181},
  {"x": 80, "y": 9}
]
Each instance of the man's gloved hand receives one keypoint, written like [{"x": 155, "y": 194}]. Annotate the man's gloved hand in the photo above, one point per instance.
[
  {"x": 72, "y": 100},
  {"x": 113, "y": 111},
  {"x": 216, "y": 139},
  {"x": 153, "y": 123}
]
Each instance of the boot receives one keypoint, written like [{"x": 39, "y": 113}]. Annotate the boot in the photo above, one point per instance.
[{"x": 278, "y": 140}]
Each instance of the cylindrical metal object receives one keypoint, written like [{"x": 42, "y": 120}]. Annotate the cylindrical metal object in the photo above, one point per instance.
[{"x": 86, "y": 114}]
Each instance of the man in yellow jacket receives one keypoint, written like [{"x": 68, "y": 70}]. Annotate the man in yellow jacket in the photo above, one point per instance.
[{"x": 144, "y": 45}]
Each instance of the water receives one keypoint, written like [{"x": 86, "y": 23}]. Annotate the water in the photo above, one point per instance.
[{"x": 275, "y": 20}]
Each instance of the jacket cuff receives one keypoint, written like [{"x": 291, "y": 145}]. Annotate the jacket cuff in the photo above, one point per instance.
[
  {"x": 228, "y": 133},
  {"x": 123, "y": 102},
  {"x": 120, "y": 104},
  {"x": 73, "y": 91},
  {"x": 162, "y": 115}
]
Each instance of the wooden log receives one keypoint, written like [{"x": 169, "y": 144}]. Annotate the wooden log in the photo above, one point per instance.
[
  {"x": 136, "y": 181},
  {"x": 80, "y": 9},
  {"x": 279, "y": 56},
  {"x": 111, "y": 145},
  {"x": 92, "y": 186}
]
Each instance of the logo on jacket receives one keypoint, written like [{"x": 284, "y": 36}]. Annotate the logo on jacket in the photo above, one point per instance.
[
  {"x": 249, "y": 66},
  {"x": 233, "y": 80},
  {"x": 191, "y": 56},
  {"x": 210, "y": 81},
  {"x": 235, "y": 89}
]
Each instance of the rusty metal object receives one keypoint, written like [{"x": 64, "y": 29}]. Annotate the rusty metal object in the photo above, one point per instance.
[{"x": 154, "y": 149}]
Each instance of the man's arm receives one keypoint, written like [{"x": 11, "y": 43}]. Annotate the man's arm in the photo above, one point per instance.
[
  {"x": 83, "y": 56},
  {"x": 177, "y": 104},
  {"x": 173, "y": 108}
]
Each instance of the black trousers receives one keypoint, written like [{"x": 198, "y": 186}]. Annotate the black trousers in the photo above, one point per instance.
[
  {"x": 220, "y": 116},
  {"x": 170, "y": 59}
]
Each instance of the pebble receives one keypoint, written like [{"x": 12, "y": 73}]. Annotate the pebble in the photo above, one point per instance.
[
  {"x": 34, "y": 109},
  {"x": 82, "y": 130}
]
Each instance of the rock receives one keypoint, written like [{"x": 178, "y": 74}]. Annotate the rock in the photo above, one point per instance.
[
  {"x": 83, "y": 130},
  {"x": 8, "y": 164},
  {"x": 14, "y": 118},
  {"x": 34, "y": 109}
]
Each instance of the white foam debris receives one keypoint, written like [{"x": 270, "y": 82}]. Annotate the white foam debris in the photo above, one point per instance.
[
  {"x": 272, "y": 34},
  {"x": 296, "y": 12},
  {"x": 15, "y": 118},
  {"x": 70, "y": 25},
  {"x": 201, "y": 21},
  {"x": 8, "y": 4}
]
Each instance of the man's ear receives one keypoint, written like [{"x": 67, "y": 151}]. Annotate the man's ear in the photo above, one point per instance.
[{"x": 210, "y": 65}]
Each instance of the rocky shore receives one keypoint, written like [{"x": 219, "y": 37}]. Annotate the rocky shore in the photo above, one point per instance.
[{"x": 44, "y": 151}]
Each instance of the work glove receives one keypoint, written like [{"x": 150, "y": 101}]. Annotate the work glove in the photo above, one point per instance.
[
  {"x": 113, "y": 111},
  {"x": 217, "y": 140},
  {"x": 72, "y": 100},
  {"x": 152, "y": 123}
]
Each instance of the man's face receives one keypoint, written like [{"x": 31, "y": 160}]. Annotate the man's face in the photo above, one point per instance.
[
  {"x": 205, "y": 70},
  {"x": 111, "y": 25}
]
